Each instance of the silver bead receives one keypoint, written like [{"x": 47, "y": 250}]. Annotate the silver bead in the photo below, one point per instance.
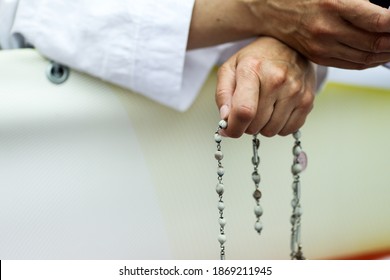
[
  {"x": 220, "y": 171},
  {"x": 258, "y": 210},
  {"x": 221, "y": 206},
  {"x": 258, "y": 226},
  {"x": 297, "y": 135},
  {"x": 297, "y": 150},
  {"x": 222, "y": 222},
  {"x": 256, "y": 177},
  {"x": 217, "y": 138},
  {"x": 218, "y": 155},
  {"x": 222, "y": 124},
  {"x": 294, "y": 202},
  {"x": 298, "y": 212},
  {"x": 220, "y": 188},
  {"x": 222, "y": 238},
  {"x": 296, "y": 168}
]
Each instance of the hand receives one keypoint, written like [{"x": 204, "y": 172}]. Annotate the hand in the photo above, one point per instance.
[
  {"x": 265, "y": 88},
  {"x": 352, "y": 34}
]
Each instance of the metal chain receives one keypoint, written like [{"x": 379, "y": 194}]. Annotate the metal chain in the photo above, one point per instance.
[
  {"x": 220, "y": 188},
  {"x": 299, "y": 164},
  {"x": 256, "y": 179}
]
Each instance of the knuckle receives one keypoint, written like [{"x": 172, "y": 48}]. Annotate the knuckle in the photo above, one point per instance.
[
  {"x": 317, "y": 51},
  {"x": 223, "y": 70},
  {"x": 377, "y": 44},
  {"x": 249, "y": 69},
  {"x": 234, "y": 134},
  {"x": 244, "y": 113},
  {"x": 296, "y": 86},
  {"x": 279, "y": 77},
  {"x": 285, "y": 132},
  {"x": 319, "y": 30},
  {"x": 220, "y": 93},
  {"x": 251, "y": 130},
  {"x": 268, "y": 132},
  {"x": 328, "y": 4},
  {"x": 307, "y": 104},
  {"x": 368, "y": 59},
  {"x": 377, "y": 21}
]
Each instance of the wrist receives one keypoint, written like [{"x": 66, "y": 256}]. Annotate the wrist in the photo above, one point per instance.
[{"x": 221, "y": 21}]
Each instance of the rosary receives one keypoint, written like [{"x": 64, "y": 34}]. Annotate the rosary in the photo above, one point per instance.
[{"x": 299, "y": 164}]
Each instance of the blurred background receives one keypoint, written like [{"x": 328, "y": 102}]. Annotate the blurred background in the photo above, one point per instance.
[{"x": 91, "y": 171}]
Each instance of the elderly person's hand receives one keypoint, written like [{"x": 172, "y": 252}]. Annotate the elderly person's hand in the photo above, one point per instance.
[
  {"x": 265, "y": 88},
  {"x": 353, "y": 34}
]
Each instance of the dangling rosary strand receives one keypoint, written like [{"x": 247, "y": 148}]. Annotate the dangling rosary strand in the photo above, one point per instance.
[
  {"x": 220, "y": 188},
  {"x": 299, "y": 164}
]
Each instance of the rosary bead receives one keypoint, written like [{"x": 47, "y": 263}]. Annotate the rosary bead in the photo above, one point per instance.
[
  {"x": 217, "y": 138},
  {"x": 222, "y": 222},
  {"x": 256, "y": 177},
  {"x": 221, "y": 206},
  {"x": 256, "y": 160},
  {"x": 258, "y": 227},
  {"x": 218, "y": 155},
  {"x": 222, "y": 239},
  {"x": 298, "y": 212},
  {"x": 220, "y": 188},
  {"x": 297, "y": 150},
  {"x": 297, "y": 135},
  {"x": 294, "y": 202},
  {"x": 257, "y": 194},
  {"x": 220, "y": 171},
  {"x": 222, "y": 124},
  {"x": 258, "y": 211},
  {"x": 302, "y": 160},
  {"x": 296, "y": 168}
]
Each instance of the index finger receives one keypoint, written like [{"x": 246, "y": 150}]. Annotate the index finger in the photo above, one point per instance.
[{"x": 245, "y": 99}]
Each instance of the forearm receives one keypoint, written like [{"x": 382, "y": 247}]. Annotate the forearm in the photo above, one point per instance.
[{"x": 220, "y": 21}]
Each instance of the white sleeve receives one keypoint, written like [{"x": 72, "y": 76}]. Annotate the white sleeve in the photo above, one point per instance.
[
  {"x": 137, "y": 44},
  {"x": 7, "y": 14}
]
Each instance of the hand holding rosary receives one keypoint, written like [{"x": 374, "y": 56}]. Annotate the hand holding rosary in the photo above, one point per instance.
[{"x": 299, "y": 164}]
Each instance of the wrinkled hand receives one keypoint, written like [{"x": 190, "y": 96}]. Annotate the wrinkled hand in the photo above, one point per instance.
[
  {"x": 265, "y": 88},
  {"x": 351, "y": 34}
]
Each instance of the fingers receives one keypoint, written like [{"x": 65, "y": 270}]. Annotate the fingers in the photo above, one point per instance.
[
  {"x": 270, "y": 93},
  {"x": 297, "y": 117},
  {"x": 274, "y": 86},
  {"x": 226, "y": 84},
  {"x": 245, "y": 99},
  {"x": 366, "y": 15},
  {"x": 291, "y": 109}
]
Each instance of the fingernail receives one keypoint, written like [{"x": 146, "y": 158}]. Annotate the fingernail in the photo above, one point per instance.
[{"x": 224, "y": 112}]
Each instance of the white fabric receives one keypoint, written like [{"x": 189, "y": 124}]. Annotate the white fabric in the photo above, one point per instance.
[
  {"x": 7, "y": 14},
  {"x": 141, "y": 44}
]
